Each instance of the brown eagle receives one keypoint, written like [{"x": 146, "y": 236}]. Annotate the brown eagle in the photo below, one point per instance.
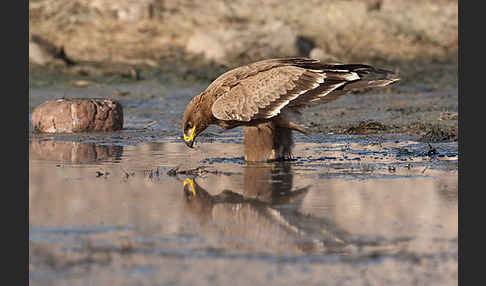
[{"x": 263, "y": 96}]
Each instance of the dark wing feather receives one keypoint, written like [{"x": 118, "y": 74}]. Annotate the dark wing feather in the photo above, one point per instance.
[{"x": 368, "y": 76}]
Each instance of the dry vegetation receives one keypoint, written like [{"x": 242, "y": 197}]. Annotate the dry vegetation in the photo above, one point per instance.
[{"x": 150, "y": 31}]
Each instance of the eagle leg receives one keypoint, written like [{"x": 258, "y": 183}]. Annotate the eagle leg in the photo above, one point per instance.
[{"x": 268, "y": 141}]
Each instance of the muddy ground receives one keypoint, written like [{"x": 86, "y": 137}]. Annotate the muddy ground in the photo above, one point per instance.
[
  {"x": 370, "y": 198},
  {"x": 424, "y": 104}
]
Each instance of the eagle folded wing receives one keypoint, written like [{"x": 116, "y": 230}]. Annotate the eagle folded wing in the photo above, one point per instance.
[{"x": 264, "y": 94}]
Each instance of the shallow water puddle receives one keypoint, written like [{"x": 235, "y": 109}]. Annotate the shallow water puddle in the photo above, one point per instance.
[{"x": 336, "y": 202}]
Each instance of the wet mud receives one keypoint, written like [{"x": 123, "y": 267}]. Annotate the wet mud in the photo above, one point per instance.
[{"x": 370, "y": 196}]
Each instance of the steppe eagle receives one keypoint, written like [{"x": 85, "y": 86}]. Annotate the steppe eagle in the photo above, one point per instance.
[{"x": 262, "y": 96}]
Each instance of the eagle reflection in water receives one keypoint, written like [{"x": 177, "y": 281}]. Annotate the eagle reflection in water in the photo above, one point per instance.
[{"x": 266, "y": 216}]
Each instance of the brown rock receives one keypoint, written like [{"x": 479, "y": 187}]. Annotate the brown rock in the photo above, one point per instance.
[
  {"x": 78, "y": 115},
  {"x": 38, "y": 55},
  {"x": 320, "y": 54},
  {"x": 43, "y": 52},
  {"x": 224, "y": 45}
]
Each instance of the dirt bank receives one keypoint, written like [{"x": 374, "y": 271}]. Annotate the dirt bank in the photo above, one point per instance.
[{"x": 149, "y": 32}]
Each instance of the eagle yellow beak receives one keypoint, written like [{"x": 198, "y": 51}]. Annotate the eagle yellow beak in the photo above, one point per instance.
[
  {"x": 190, "y": 182},
  {"x": 189, "y": 140}
]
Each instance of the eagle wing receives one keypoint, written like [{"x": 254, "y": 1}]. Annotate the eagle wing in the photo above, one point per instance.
[{"x": 262, "y": 90}]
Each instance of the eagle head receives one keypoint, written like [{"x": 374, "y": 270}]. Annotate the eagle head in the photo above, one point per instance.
[{"x": 196, "y": 120}]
